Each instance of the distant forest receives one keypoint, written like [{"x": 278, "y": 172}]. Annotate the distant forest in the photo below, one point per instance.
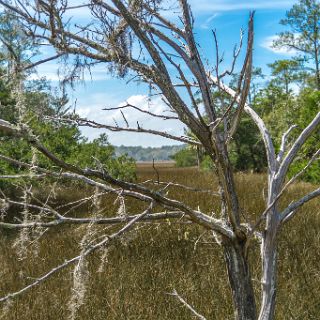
[{"x": 138, "y": 153}]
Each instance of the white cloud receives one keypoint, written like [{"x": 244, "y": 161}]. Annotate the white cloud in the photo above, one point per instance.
[
  {"x": 229, "y": 5},
  {"x": 93, "y": 111},
  {"x": 267, "y": 44},
  {"x": 50, "y": 71}
]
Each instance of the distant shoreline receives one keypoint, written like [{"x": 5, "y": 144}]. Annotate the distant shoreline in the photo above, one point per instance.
[{"x": 162, "y": 163}]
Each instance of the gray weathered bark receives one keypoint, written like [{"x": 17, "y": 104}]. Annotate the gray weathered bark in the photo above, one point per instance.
[
  {"x": 269, "y": 276},
  {"x": 240, "y": 281}
]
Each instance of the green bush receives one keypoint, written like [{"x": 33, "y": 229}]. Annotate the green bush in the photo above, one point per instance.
[{"x": 185, "y": 158}]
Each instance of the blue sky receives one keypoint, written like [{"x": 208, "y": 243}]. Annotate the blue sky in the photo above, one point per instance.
[{"x": 226, "y": 17}]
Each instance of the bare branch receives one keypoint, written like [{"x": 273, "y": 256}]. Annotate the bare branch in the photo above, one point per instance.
[
  {"x": 33, "y": 65},
  {"x": 199, "y": 70},
  {"x": 187, "y": 305},
  {"x": 291, "y": 210},
  {"x": 187, "y": 85},
  {"x": 277, "y": 197},
  {"x": 260, "y": 124},
  {"x": 6, "y": 127},
  {"x": 155, "y": 217},
  {"x": 246, "y": 75},
  {"x": 305, "y": 134},
  {"x": 283, "y": 144},
  {"x": 124, "y": 118},
  {"x": 236, "y": 53},
  {"x": 168, "y": 24},
  {"x": 76, "y": 177},
  {"x": 134, "y": 190},
  {"x": 22, "y": 176},
  {"x": 178, "y": 185},
  {"x": 139, "y": 129},
  {"x": 128, "y": 105},
  {"x": 314, "y": 158}
]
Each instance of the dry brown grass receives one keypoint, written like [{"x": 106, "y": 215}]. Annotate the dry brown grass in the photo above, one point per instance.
[{"x": 147, "y": 265}]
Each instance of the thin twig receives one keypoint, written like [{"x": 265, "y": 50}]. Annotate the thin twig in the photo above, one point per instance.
[{"x": 186, "y": 304}]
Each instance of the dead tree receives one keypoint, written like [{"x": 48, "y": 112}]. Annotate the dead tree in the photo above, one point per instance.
[{"x": 135, "y": 39}]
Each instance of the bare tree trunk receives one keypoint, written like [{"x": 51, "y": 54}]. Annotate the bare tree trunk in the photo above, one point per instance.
[
  {"x": 240, "y": 282},
  {"x": 225, "y": 174},
  {"x": 317, "y": 73},
  {"x": 317, "y": 65},
  {"x": 269, "y": 271},
  {"x": 199, "y": 158}
]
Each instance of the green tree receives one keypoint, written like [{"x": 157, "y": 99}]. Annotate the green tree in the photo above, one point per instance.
[
  {"x": 67, "y": 141},
  {"x": 100, "y": 152},
  {"x": 40, "y": 102},
  {"x": 276, "y": 108},
  {"x": 281, "y": 110},
  {"x": 286, "y": 72},
  {"x": 247, "y": 151},
  {"x": 186, "y": 158},
  {"x": 303, "y": 19},
  {"x": 308, "y": 103},
  {"x": 17, "y": 49}
]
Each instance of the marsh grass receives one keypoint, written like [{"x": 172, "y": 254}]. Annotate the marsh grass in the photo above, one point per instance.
[{"x": 140, "y": 272}]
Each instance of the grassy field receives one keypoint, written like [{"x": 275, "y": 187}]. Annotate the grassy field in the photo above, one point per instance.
[{"x": 133, "y": 279}]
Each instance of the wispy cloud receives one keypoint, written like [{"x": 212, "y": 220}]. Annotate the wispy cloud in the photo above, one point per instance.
[
  {"x": 50, "y": 70},
  {"x": 229, "y": 5},
  {"x": 267, "y": 43},
  {"x": 199, "y": 6},
  {"x": 206, "y": 24}
]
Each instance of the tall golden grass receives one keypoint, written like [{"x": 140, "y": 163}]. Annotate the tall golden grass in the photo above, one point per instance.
[{"x": 144, "y": 268}]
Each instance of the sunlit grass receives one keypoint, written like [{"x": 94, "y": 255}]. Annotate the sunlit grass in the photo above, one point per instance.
[{"x": 144, "y": 267}]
